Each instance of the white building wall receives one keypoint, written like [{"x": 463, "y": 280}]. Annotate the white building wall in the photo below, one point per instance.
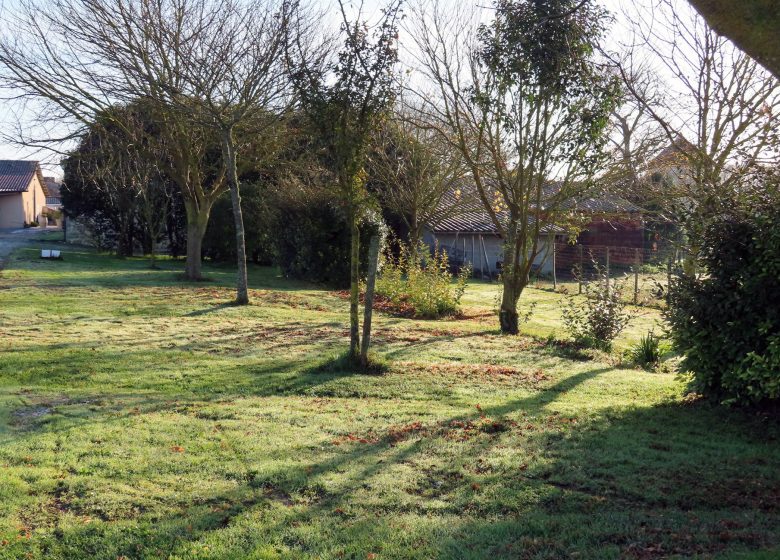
[{"x": 484, "y": 251}]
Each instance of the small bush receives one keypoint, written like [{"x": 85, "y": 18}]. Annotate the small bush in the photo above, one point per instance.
[
  {"x": 647, "y": 352},
  {"x": 600, "y": 318},
  {"x": 346, "y": 363},
  {"x": 726, "y": 323},
  {"x": 421, "y": 286}
]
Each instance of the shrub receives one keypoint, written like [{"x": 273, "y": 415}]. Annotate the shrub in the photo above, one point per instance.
[
  {"x": 310, "y": 236},
  {"x": 726, "y": 323},
  {"x": 345, "y": 362},
  {"x": 219, "y": 243},
  {"x": 596, "y": 321},
  {"x": 647, "y": 352},
  {"x": 421, "y": 286}
]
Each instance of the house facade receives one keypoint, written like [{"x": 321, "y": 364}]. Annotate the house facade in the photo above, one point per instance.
[{"x": 22, "y": 193}]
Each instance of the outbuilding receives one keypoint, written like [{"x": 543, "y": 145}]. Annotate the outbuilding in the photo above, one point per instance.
[{"x": 22, "y": 194}]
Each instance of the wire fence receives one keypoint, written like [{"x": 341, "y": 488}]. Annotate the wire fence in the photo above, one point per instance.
[{"x": 643, "y": 274}]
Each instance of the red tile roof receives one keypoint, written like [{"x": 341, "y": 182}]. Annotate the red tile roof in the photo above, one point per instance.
[{"x": 16, "y": 175}]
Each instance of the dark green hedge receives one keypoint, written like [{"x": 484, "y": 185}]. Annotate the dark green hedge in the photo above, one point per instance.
[{"x": 726, "y": 323}]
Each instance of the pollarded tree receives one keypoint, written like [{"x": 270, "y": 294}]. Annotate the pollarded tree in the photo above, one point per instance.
[
  {"x": 525, "y": 102},
  {"x": 345, "y": 99}
]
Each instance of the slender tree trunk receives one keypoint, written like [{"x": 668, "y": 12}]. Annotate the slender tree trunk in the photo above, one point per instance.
[
  {"x": 507, "y": 315},
  {"x": 368, "y": 310},
  {"x": 229, "y": 154},
  {"x": 354, "y": 287},
  {"x": 197, "y": 221},
  {"x": 125, "y": 241},
  {"x": 414, "y": 239}
]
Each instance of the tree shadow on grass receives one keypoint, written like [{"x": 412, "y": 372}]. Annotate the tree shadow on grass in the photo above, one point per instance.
[
  {"x": 627, "y": 483},
  {"x": 100, "y": 269},
  {"x": 212, "y": 309}
]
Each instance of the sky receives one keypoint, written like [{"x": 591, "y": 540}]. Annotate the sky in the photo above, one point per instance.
[{"x": 615, "y": 40}]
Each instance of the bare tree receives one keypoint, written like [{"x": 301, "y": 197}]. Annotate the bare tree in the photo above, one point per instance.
[
  {"x": 345, "y": 98},
  {"x": 413, "y": 169},
  {"x": 235, "y": 78},
  {"x": 634, "y": 138},
  {"x": 524, "y": 103},
  {"x": 719, "y": 113},
  {"x": 124, "y": 174},
  {"x": 75, "y": 59}
]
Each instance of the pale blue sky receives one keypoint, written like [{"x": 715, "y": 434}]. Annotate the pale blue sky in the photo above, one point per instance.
[{"x": 618, "y": 35}]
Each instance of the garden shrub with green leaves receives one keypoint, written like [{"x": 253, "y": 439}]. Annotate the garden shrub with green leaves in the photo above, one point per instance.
[
  {"x": 726, "y": 322},
  {"x": 420, "y": 284},
  {"x": 648, "y": 351},
  {"x": 600, "y": 318}
]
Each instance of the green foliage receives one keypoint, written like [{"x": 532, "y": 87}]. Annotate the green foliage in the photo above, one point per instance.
[
  {"x": 114, "y": 182},
  {"x": 346, "y": 362},
  {"x": 598, "y": 319},
  {"x": 349, "y": 95},
  {"x": 421, "y": 285},
  {"x": 647, "y": 352},
  {"x": 310, "y": 236},
  {"x": 541, "y": 56},
  {"x": 726, "y": 323},
  {"x": 219, "y": 243}
]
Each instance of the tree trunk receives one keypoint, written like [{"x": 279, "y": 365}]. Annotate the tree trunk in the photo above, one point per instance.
[
  {"x": 368, "y": 310},
  {"x": 197, "y": 220},
  {"x": 124, "y": 246},
  {"x": 514, "y": 281},
  {"x": 507, "y": 315},
  {"x": 354, "y": 287},
  {"x": 229, "y": 154}
]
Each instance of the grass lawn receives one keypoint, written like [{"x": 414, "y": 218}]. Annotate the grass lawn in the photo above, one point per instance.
[{"x": 142, "y": 417}]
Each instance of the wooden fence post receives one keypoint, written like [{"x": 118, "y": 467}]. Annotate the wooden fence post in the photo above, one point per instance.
[
  {"x": 636, "y": 276},
  {"x": 581, "y": 274},
  {"x": 555, "y": 276}
]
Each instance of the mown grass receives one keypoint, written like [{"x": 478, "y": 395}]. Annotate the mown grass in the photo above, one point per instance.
[{"x": 144, "y": 417}]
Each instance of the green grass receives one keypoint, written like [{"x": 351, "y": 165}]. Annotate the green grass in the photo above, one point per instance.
[{"x": 144, "y": 417}]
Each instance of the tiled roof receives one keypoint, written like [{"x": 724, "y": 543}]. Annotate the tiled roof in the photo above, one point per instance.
[
  {"x": 15, "y": 175},
  {"x": 472, "y": 218},
  {"x": 594, "y": 202},
  {"x": 53, "y": 186},
  {"x": 672, "y": 155}
]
